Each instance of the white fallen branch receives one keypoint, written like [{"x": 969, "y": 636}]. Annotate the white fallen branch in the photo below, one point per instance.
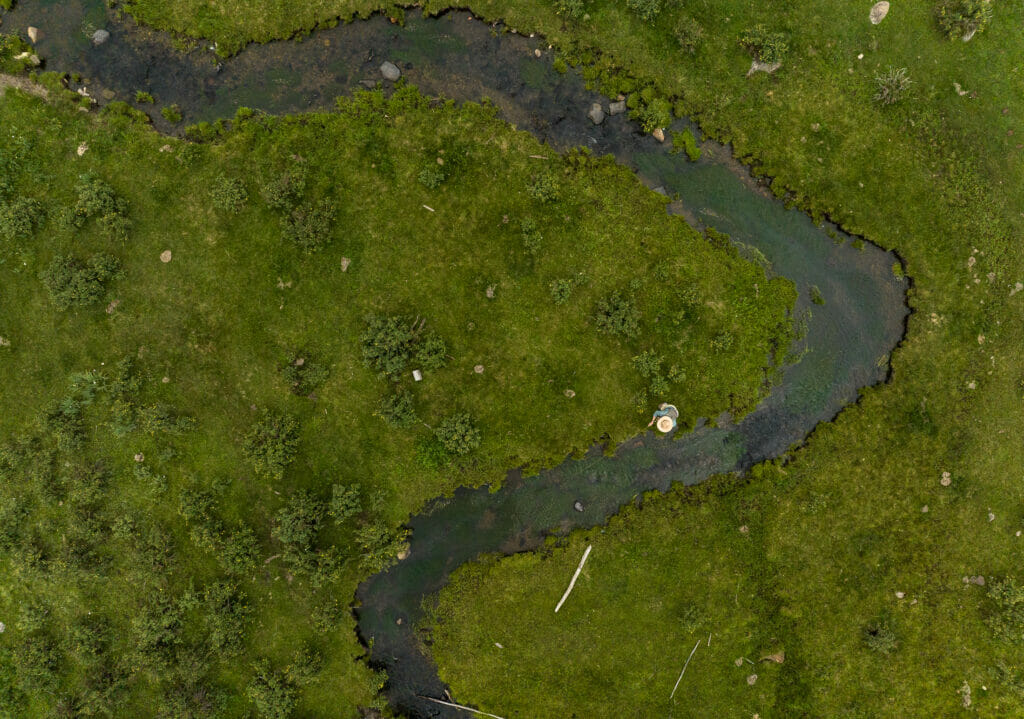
[
  {"x": 575, "y": 576},
  {"x": 428, "y": 208},
  {"x": 459, "y": 706},
  {"x": 684, "y": 669}
]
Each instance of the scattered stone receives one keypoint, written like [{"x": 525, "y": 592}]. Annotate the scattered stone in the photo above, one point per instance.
[
  {"x": 166, "y": 380},
  {"x": 660, "y": 190},
  {"x": 536, "y": 53},
  {"x": 768, "y": 67},
  {"x": 739, "y": 662},
  {"x": 659, "y": 135},
  {"x": 479, "y": 369},
  {"x": 82, "y": 149},
  {"x": 2, "y": 627},
  {"x": 112, "y": 306},
  {"x": 744, "y": 529},
  {"x": 752, "y": 679},
  {"x": 498, "y": 645},
  {"x": 617, "y": 108},
  {"x": 4, "y": 342},
  {"x": 970, "y": 261},
  {"x": 403, "y": 554},
  {"x": 972, "y": 385},
  {"x": 577, "y": 505},
  {"x": 368, "y": 84},
  {"x": 165, "y": 148},
  {"x": 490, "y": 292},
  {"x": 569, "y": 393},
  {"x": 299, "y": 361},
  {"x": 596, "y": 114},
  {"x": 900, "y": 595},
  {"x": 959, "y": 90},
  {"x": 1017, "y": 288},
  {"x": 165, "y": 256},
  {"x": 100, "y": 36},
  {"x": 878, "y": 12},
  {"x": 390, "y": 71},
  {"x": 991, "y": 517},
  {"x": 33, "y": 34},
  {"x": 924, "y": 509},
  {"x": 977, "y": 580},
  {"x": 139, "y": 457},
  {"x": 778, "y": 657},
  {"x": 398, "y": 621},
  {"x": 981, "y": 339}
]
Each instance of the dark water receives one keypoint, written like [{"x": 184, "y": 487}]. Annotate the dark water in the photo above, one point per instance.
[{"x": 847, "y": 341}]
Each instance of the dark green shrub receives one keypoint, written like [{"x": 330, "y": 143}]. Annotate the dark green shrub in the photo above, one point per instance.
[
  {"x": 458, "y": 433},
  {"x": 431, "y": 351},
  {"x": 685, "y": 142},
  {"x": 95, "y": 198},
  {"x": 309, "y": 225},
  {"x": 397, "y": 410},
  {"x": 305, "y": 666},
  {"x": 543, "y": 188},
  {"x": 767, "y": 47},
  {"x": 228, "y": 194},
  {"x": 239, "y": 553},
  {"x": 298, "y": 522},
  {"x": 1007, "y": 617},
  {"x": 561, "y": 290},
  {"x": 346, "y": 502},
  {"x": 271, "y": 692},
  {"x": 572, "y": 9},
  {"x": 89, "y": 635},
  {"x": 73, "y": 283},
  {"x": 327, "y": 616},
  {"x": 19, "y": 219},
  {"x": 271, "y": 444},
  {"x": 304, "y": 375},
  {"x": 430, "y": 453},
  {"x": 143, "y": 98},
  {"x": 892, "y": 86},
  {"x": 646, "y": 10},
  {"x": 617, "y": 315},
  {"x": 648, "y": 364},
  {"x": 879, "y": 637},
  {"x": 283, "y": 192},
  {"x": 432, "y": 176},
  {"x": 226, "y": 616},
  {"x": 689, "y": 34},
  {"x": 532, "y": 238},
  {"x": 379, "y": 544},
  {"x": 387, "y": 343},
  {"x": 653, "y": 114},
  {"x": 171, "y": 113},
  {"x": 963, "y": 18}
]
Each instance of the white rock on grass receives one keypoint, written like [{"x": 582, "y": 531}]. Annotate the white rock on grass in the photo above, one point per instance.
[
  {"x": 100, "y": 36},
  {"x": 390, "y": 71},
  {"x": 617, "y": 108},
  {"x": 878, "y": 12}
]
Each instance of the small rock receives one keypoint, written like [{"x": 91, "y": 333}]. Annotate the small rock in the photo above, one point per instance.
[
  {"x": 946, "y": 480},
  {"x": 739, "y": 662},
  {"x": 498, "y": 645},
  {"x": 536, "y": 53},
  {"x": 659, "y": 135},
  {"x": 490, "y": 292},
  {"x": 479, "y": 369},
  {"x": 978, "y": 580},
  {"x": 390, "y": 71},
  {"x": 569, "y": 393},
  {"x": 991, "y": 517},
  {"x": 924, "y": 509},
  {"x": 596, "y": 114},
  {"x": 165, "y": 256},
  {"x": 661, "y": 191},
  {"x": 404, "y": 554},
  {"x": 100, "y": 36},
  {"x": 768, "y": 67},
  {"x": 82, "y": 149},
  {"x": 2, "y": 627},
  {"x": 345, "y": 262},
  {"x": 900, "y": 595},
  {"x": 617, "y": 108},
  {"x": 166, "y": 380},
  {"x": 33, "y": 34},
  {"x": 577, "y": 505},
  {"x": 4, "y": 342},
  {"x": 300, "y": 361},
  {"x": 368, "y": 84},
  {"x": 34, "y": 60},
  {"x": 778, "y": 657},
  {"x": 165, "y": 148},
  {"x": 878, "y": 12},
  {"x": 752, "y": 679},
  {"x": 139, "y": 457},
  {"x": 112, "y": 306},
  {"x": 744, "y": 529}
]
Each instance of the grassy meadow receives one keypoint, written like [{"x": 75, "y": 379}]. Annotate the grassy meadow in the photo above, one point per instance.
[{"x": 210, "y": 430}]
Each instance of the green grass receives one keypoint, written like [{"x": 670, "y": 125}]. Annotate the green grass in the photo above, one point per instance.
[{"x": 212, "y": 331}]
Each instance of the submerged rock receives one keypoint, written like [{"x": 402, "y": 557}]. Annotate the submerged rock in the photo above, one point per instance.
[
  {"x": 577, "y": 505},
  {"x": 617, "y": 108},
  {"x": 596, "y": 114},
  {"x": 659, "y": 135},
  {"x": 390, "y": 71},
  {"x": 100, "y": 36},
  {"x": 878, "y": 12},
  {"x": 33, "y": 34}
]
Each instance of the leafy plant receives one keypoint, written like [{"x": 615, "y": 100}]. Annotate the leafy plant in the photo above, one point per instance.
[
  {"x": 431, "y": 351},
  {"x": 1007, "y": 617},
  {"x": 240, "y": 552},
  {"x": 458, "y": 434},
  {"x": 73, "y": 283},
  {"x": 143, "y": 97},
  {"x": 387, "y": 343},
  {"x": 171, "y": 113},
  {"x": 271, "y": 444},
  {"x": 304, "y": 375},
  {"x": 532, "y": 238},
  {"x": 646, "y": 10},
  {"x": 397, "y": 410},
  {"x": 963, "y": 18},
  {"x": 379, "y": 544},
  {"x": 617, "y": 315},
  {"x": 653, "y": 114},
  {"x": 561, "y": 289},
  {"x": 298, "y": 522},
  {"x": 228, "y": 193},
  {"x": 686, "y": 142},
  {"x": 283, "y": 192},
  {"x": 572, "y": 9},
  {"x": 432, "y": 176},
  {"x": 309, "y": 225},
  {"x": 19, "y": 219},
  {"x": 346, "y": 502},
  {"x": 892, "y": 85},
  {"x": 879, "y": 637},
  {"x": 766, "y": 46},
  {"x": 543, "y": 188},
  {"x": 689, "y": 34},
  {"x": 271, "y": 692}
]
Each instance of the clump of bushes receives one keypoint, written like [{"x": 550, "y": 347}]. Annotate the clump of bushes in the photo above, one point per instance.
[
  {"x": 617, "y": 315},
  {"x": 283, "y": 192},
  {"x": 458, "y": 434},
  {"x": 95, "y": 198},
  {"x": 766, "y": 46},
  {"x": 309, "y": 225},
  {"x": 1007, "y": 619},
  {"x": 346, "y": 502},
  {"x": 171, "y": 113},
  {"x": 73, "y": 283},
  {"x": 397, "y": 410},
  {"x": 892, "y": 85},
  {"x": 543, "y": 188},
  {"x": 271, "y": 444},
  {"x": 390, "y": 342},
  {"x": 646, "y": 10},
  {"x": 19, "y": 219},
  {"x": 650, "y": 110},
  {"x": 304, "y": 375},
  {"x": 963, "y": 18},
  {"x": 228, "y": 194},
  {"x": 532, "y": 238},
  {"x": 271, "y": 692},
  {"x": 143, "y": 98}
]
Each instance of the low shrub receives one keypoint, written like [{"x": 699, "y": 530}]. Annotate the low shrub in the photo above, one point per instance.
[
  {"x": 646, "y": 10},
  {"x": 689, "y": 34},
  {"x": 309, "y": 225},
  {"x": 766, "y": 46},
  {"x": 561, "y": 290},
  {"x": 73, "y": 283},
  {"x": 228, "y": 194},
  {"x": 686, "y": 142},
  {"x": 458, "y": 434},
  {"x": 892, "y": 85},
  {"x": 962, "y": 19},
  {"x": 432, "y": 176},
  {"x": 20, "y": 218},
  {"x": 543, "y": 188},
  {"x": 271, "y": 444},
  {"x": 171, "y": 113},
  {"x": 617, "y": 315},
  {"x": 304, "y": 375},
  {"x": 283, "y": 192},
  {"x": 397, "y": 410}
]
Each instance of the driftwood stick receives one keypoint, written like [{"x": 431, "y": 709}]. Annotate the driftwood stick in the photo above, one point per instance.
[
  {"x": 575, "y": 576},
  {"x": 459, "y": 706},
  {"x": 692, "y": 651}
]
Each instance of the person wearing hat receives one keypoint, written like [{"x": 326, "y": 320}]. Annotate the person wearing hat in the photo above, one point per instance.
[{"x": 665, "y": 418}]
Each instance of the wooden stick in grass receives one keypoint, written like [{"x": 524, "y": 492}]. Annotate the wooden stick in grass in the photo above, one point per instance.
[
  {"x": 459, "y": 706},
  {"x": 575, "y": 576},
  {"x": 684, "y": 669}
]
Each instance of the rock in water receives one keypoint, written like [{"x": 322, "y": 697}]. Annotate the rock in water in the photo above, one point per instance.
[
  {"x": 100, "y": 36},
  {"x": 617, "y": 108},
  {"x": 878, "y": 12},
  {"x": 577, "y": 505},
  {"x": 596, "y": 114},
  {"x": 390, "y": 71},
  {"x": 33, "y": 34},
  {"x": 659, "y": 135}
]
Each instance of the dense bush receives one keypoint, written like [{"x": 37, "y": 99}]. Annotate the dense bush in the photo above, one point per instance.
[
  {"x": 458, "y": 433},
  {"x": 283, "y": 192},
  {"x": 228, "y": 194},
  {"x": 892, "y": 85},
  {"x": 432, "y": 176},
  {"x": 11, "y": 46},
  {"x": 271, "y": 444},
  {"x": 617, "y": 315},
  {"x": 239, "y": 553},
  {"x": 387, "y": 343},
  {"x": 19, "y": 219},
  {"x": 298, "y": 522},
  {"x": 572, "y": 9},
  {"x": 653, "y": 114},
  {"x": 304, "y": 375},
  {"x": 685, "y": 142},
  {"x": 1007, "y": 618},
  {"x": 309, "y": 225},
  {"x": 561, "y": 290},
  {"x": 963, "y": 18},
  {"x": 379, "y": 544},
  {"x": 73, "y": 283},
  {"x": 646, "y": 10},
  {"x": 346, "y": 502},
  {"x": 767, "y": 47},
  {"x": 226, "y": 617},
  {"x": 689, "y": 34},
  {"x": 271, "y": 692},
  {"x": 397, "y": 410},
  {"x": 431, "y": 351},
  {"x": 543, "y": 188}
]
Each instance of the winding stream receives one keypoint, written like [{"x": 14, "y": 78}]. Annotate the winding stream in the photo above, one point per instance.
[{"x": 848, "y": 338}]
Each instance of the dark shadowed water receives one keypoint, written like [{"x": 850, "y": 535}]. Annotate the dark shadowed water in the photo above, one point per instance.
[{"x": 848, "y": 338}]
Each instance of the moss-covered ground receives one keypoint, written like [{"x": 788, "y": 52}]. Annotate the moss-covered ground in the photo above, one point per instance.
[{"x": 156, "y": 550}]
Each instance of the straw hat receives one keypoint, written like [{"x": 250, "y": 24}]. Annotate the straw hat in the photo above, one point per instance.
[{"x": 665, "y": 424}]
